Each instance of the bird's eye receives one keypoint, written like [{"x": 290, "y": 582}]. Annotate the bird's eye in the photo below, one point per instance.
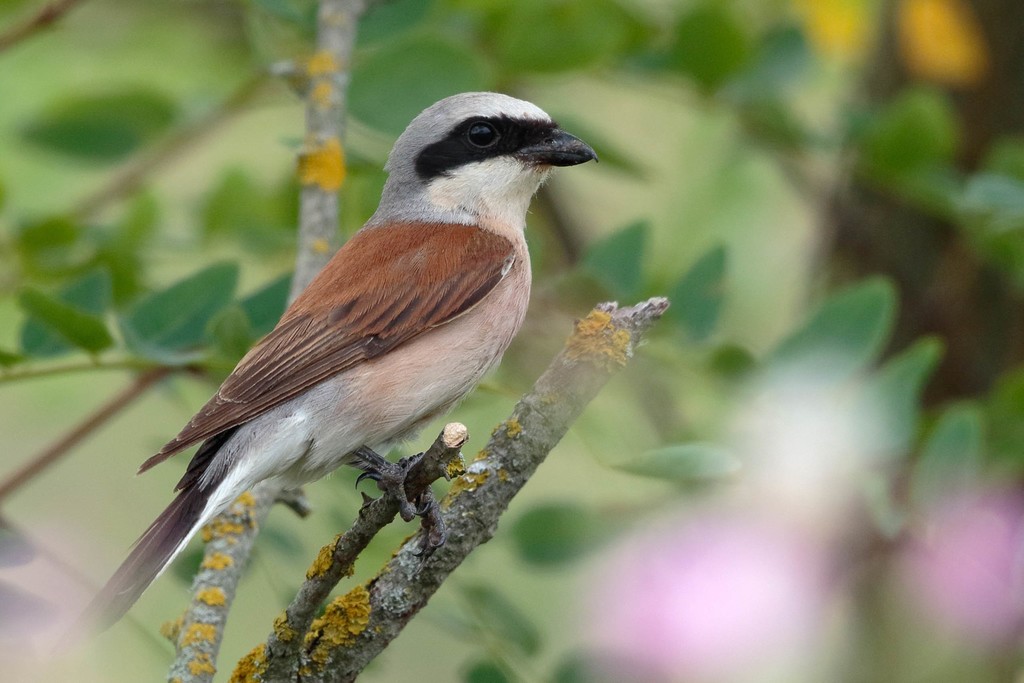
[{"x": 482, "y": 134}]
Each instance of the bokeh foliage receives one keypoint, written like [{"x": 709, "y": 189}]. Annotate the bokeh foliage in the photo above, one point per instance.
[{"x": 124, "y": 277}]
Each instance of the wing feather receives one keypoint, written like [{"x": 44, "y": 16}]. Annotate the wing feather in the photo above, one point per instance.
[{"x": 387, "y": 285}]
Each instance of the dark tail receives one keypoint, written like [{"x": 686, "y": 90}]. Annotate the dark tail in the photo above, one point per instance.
[{"x": 160, "y": 543}]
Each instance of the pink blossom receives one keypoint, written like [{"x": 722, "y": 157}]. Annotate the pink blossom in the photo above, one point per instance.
[
  {"x": 714, "y": 598},
  {"x": 967, "y": 570}
]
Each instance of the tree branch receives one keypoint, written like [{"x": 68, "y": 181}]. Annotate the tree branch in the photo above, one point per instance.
[
  {"x": 321, "y": 172},
  {"x": 44, "y": 18},
  {"x": 337, "y": 559},
  {"x": 357, "y": 626},
  {"x": 65, "y": 443}
]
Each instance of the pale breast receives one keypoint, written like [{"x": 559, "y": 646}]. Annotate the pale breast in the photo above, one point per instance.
[{"x": 391, "y": 397}]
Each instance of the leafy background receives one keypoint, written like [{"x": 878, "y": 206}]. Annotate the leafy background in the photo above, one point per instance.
[{"x": 147, "y": 216}]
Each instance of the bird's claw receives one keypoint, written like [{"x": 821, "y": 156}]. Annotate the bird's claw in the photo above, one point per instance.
[{"x": 390, "y": 477}]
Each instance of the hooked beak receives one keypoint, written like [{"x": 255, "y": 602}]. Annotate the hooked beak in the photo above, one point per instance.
[{"x": 558, "y": 148}]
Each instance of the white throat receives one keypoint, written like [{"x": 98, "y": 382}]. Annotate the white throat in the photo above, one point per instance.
[{"x": 497, "y": 189}]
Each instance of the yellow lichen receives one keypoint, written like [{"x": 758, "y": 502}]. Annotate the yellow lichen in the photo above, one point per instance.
[
  {"x": 171, "y": 629},
  {"x": 222, "y": 528},
  {"x": 214, "y": 597},
  {"x": 469, "y": 481},
  {"x": 246, "y": 500},
  {"x": 324, "y": 559},
  {"x": 202, "y": 664},
  {"x": 252, "y": 666},
  {"x": 217, "y": 561},
  {"x": 513, "y": 428},
  {"x": 345, "y": 618},
  {"x": 284, "y": 631},
  {"x": 598, "y": 341},
  {"x": 321, "y": 94},
  {"x": 321, "y": 64},
  {"x": 199, "y": 633},
  {"x": 323, "y": 166},
  {"x": 320, "y": 245},
  {"x": 455, "y": 467}
]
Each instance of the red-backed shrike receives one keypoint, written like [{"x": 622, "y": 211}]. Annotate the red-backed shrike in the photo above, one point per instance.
[{"x": 398, "y": 327}]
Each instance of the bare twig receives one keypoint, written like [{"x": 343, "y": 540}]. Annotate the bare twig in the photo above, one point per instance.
[
  {"x": 65, "y": 443},
  {"x": 337, "y": 559},
  {"x": 321, "y": 172},
  {"x": 44, "y": 18}
]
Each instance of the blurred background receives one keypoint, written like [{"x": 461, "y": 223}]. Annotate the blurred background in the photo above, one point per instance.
[{"x": 810, "y": 472}]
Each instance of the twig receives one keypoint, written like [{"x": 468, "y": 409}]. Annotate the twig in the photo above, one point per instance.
[
  {"x": 321, "y": 171},
  {"x": 64, "y": 444},
  {"x": 42, "y": 19},
  {"x": 229, "y": 540},
  {"x": 322, "y": 162},
  {"x": 357, "y": 626},
  {"x": 131, "y": 177},
  {"x": 337, "y": 559},
  {"x": 62, "y": 369}
]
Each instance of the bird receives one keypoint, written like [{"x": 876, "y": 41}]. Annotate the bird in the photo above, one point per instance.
[{"x": 398, "y": 327}]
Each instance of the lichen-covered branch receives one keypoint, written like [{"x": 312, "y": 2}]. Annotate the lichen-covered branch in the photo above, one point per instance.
[
  {"x": 229, "y": 539},
  {"x": 322, "y": 160},
  {"x": 279, "y": 659},
  {"x": 357, "y": 626},
  {"x": 321, "y": 171}
]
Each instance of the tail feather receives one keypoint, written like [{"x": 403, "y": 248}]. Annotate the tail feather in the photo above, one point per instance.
[{"x": 154, "y": 550}]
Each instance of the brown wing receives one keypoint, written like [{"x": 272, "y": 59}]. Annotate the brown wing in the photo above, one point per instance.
[{"x": 385, "y": 286}]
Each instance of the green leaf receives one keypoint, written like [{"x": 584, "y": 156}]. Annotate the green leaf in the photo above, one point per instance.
[
  {"x": 486, "y": 672},
  {"x": 166, "y": 323},
  {"x": 846, "y": 333},
  {"x": 3, "y": 196},
  {"x": 781, "y": 58},
  {"x": 917, "y": 128},
  {"x": 89, "y": 294},
  {"x": 616, "y": 261},
  {"x": 9, "y": 358},
  {"x": 894, "y": 392},
  {"x": 546, "y": 36},
  {"x": 265, "y": 306},
  {"x": 502, "y": 617},
  {"x": 697, "y": 296},
  {"x": 731, "y": 362},
  {"x": 952, "y": 455},
  {"x": 393, "y": 83},
  {"x": 1006, "y": 157},
  {"x": 1005, "y": 417},
  {"x": 52, "y": 246},
  {"x": 710, "y": 45},
  {"x": 386, "y": 20},
  {"x": 555, "y": 533},
  {"x": 259, "y": 218},
  {"x": 993, "y": 203},
  {"x": 231, "y": 335},
  {"x": 686, "y": 463},
  {"x": 102, "y": 127},
  {"x": 82, "y": 330}
]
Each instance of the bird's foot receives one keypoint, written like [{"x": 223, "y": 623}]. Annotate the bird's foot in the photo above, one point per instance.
[
  {"x": 434, "y": 531},
  {"x": 390, "y": 478}
]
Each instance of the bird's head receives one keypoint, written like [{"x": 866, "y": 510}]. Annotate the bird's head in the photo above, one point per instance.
[{"x": 475, "y": 157}]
